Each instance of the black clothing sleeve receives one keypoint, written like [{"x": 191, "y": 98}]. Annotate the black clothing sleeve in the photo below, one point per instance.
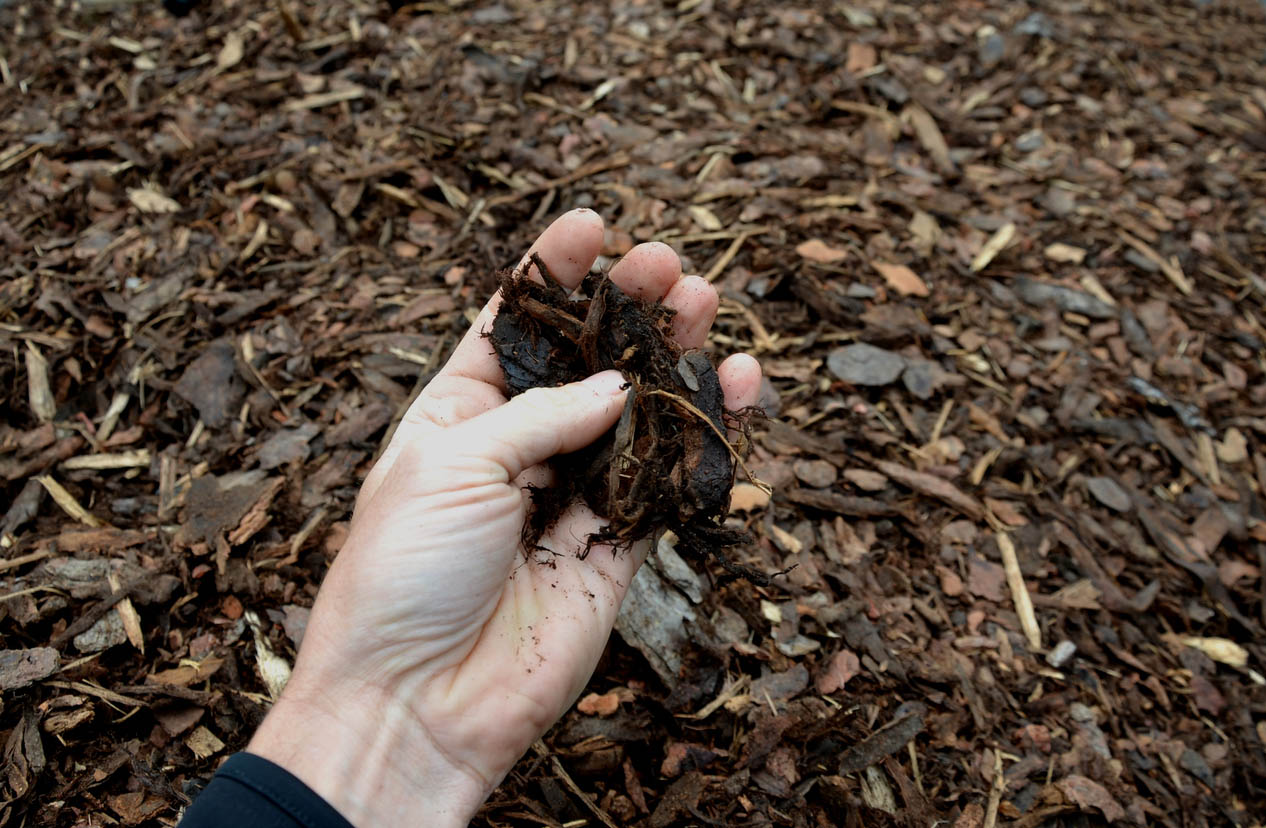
[{"x": 250, "y": 792}]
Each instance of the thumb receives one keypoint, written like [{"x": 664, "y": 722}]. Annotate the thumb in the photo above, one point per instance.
[{"x": 543, "y": 422}]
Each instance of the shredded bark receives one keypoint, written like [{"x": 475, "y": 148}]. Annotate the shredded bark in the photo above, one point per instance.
[{"x": 668, "y": 463}]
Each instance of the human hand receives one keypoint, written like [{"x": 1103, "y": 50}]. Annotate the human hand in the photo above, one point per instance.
[{"x": 437, "y": 652}]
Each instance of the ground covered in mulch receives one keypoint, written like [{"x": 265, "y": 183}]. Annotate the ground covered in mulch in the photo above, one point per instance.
[{"x": 1004, "y": 265}]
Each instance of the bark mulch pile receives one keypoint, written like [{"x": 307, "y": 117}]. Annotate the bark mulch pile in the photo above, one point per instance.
[{"x": 1004, "y": 265}]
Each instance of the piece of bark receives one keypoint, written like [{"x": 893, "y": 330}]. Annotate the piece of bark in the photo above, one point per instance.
[
  {"x": 883, "y": 742},
  {"x": 18, "y": 668},
  {"x": 841, "y": 504},
  {"x": 653, "y": 620},
  {"x": 933, "y": 486}
]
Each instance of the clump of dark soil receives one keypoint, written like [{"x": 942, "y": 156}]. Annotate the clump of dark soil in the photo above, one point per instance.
[{"x": 667, "y": 463}]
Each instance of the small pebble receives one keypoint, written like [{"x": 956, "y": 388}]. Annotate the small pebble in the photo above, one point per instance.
[
  {"x": 817, "y": 474},
  {"x": 1059, "y": 656},
  {"x": 991, "y": 49},
  {"x": 1030, "y": 141},
  {"x": 1033, "y": 97}
]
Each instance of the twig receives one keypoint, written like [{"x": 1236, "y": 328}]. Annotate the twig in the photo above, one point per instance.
[
  {"x": 93, "y": 614},
  {"x": 726, "y": 257},
  {"x": 995, "y": 796},
  {"x": 543, "y": 751},
  {"x": 174, "y": 691},
  {"x": 99, "y": 692},
  {"x": 914, "y": 766},
  {"x": 67, "y": 502},
  {"x": 1019, "y": 592},
  {"x": 615, "y": 162},
  {"x": 23, "y": 560},
  {"x": 940, "y": 421},
  {"x": 1171, "y": 269},
  {"x": 29, "y": 591}
]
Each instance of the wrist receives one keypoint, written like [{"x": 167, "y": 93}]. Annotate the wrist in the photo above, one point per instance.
[{"x": 368, "y": 756}]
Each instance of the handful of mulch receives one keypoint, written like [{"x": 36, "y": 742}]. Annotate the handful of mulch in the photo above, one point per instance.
[{"x": 667, "y": 463}]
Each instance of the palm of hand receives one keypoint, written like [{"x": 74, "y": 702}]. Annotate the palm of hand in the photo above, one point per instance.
[
  {"x": 433, "y": 599},
  {"x": 489, "y": 661}
]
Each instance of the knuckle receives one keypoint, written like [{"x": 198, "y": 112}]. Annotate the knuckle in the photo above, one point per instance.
[{"x": 552, "y": 402}]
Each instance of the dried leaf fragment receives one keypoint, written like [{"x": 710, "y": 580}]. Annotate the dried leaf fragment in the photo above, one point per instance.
[
  {"x": 151, "y": 201},
  {"x": 203, "y": 743},
  {"x": 901, "y": 279},
  {"x": 1064, "y": 253},
  {"x": 231, "y": 53},
  {"x": 604, "y": 704},
  {"x": 844, "y": 665},
  {"x": 1223, "y": 650},
  {"x": 816, "y": 250},
  {"x": 1086, "y": 794}
]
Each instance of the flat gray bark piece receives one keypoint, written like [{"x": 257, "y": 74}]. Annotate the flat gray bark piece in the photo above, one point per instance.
[
  {"x": 18, "y": 668},
  {"x": 653, "y": 619},
  {"x": 862, "y": 364}
]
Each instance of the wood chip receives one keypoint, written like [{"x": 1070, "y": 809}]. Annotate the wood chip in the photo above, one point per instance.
[
  {"x": 1064, "y": 253},
  {"x": 933, "y": 486},
  {"x": 18, "y": 668},
  {"x": 883, "y": 742},
  {"x": 231, "y": 52},
  {"x": 930, "y": 136},
  {"x": 189, "y": 672},
  {"x": 1109, "y": 493},
  {"x": 67, "y": 502},
  {"x": 273, "y": 669},
  {"x": 996, "y": 244},
  {"x": 39, "y": 392},
  {"x": 1233, "y": 448},
  {"x": 129, "y": 619},
  {"x": 1222, "y": 650},
  {"x": 1171, "y": 269},
  {"x": 203, "y": 743},
  {"x": 323, "y": 99},
  {"x": 149, "y": 201},
  {"x": 137, "y": 459}
]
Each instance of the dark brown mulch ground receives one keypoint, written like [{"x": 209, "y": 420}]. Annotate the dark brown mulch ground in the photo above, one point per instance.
[{"x": 1003, "y": 264}]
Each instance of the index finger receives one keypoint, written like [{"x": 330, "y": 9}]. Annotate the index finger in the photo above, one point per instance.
[{"x": 568, "y": 247}]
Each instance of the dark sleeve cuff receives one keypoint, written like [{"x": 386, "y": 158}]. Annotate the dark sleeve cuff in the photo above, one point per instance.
[{"x": 249, "y": 790}]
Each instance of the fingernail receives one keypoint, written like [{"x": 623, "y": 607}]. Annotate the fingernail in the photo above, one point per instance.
[{"x": 607, "y": 383}]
